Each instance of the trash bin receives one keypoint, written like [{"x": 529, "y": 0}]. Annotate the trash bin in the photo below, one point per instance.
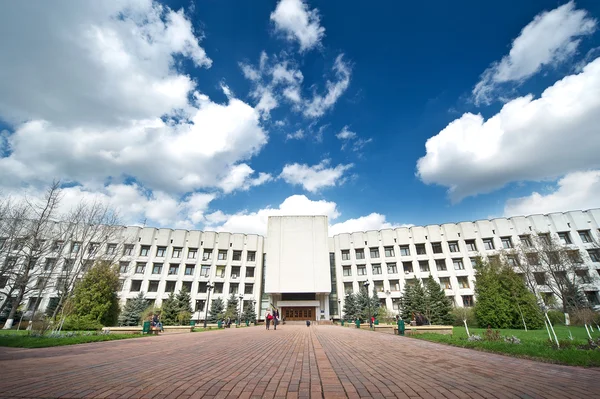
[
  {"x": 146, "y": 327},
  {"x": 247, "y": 323},
  {"x": 376, "y": 322},
  {"x": 219, "y": 324},
  {"x": 193, "y": 323},
  {"x": 342, "y": 322},
  {"x": 400, "y": 327},
  {"x": 357, "y": 322}
]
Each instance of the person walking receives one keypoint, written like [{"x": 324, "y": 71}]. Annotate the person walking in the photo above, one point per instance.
[
  {"x": 268, "y": 319},
  {"x": 275, "y": 319}
]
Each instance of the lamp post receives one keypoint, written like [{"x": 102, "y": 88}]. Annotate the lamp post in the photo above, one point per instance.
[
  {"x": 254, "y": 308},
  {"x": 209, "y": 287},
  {"x": 241, "y": 296},
  {"x": 366, "y": 285}
]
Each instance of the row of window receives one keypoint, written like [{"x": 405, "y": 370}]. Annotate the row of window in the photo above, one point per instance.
[
  {"x": 463, "y": 282},
  {"x": 157, "y": 268},
  {"x": 471, "y": 245},
  {"x": 407, "y": 267},
  {"x": 153, "y": 285}
]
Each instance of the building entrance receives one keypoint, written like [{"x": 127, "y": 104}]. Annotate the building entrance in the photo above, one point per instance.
[{"x": 299, "y": 313}]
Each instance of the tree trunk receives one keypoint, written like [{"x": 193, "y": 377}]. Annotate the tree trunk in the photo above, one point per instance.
[{"x": 11, "y": 316}]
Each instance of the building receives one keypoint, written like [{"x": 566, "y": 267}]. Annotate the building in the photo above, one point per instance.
[{"x": 298, "y": 268}]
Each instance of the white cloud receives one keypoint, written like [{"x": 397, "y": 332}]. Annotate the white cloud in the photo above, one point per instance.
[
  {"x": 373, "y": 221},
  {"x": 297, "y": 135},
  {"x": 529, "y": 139},
  {"x": 280, "y": 79},
  {"x": 349, "y": 137},
  {"x": 345, "y": 134},
  {"x": 239, "y": 178},
  {"x": 319, "y": 104},
  {"x": 552, "y": 37},
  {"x": 298, "y": 23},
  {"x": 578, "y": 190},
  {"x": 315, "y": 177},
  {"x": 109, "y": 102}
]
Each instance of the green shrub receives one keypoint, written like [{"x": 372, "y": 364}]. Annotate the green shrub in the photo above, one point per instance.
[
  {"x": 556, "y": 317},
  {"x": 75, "y": 323},
  {"x": 459, "y": 313}
]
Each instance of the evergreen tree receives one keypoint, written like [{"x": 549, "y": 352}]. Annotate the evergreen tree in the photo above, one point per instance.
[
  {"x": 375, "y": 304},
  {"x": 414, "y": 301},
  {"x": 438, "y": 306},
  {"x": 216, "y": 310},
  {"x": 350, "y": 310},
  {"x": 169, "y": 311},
  {"x": 503, "y": 300},
  {"x": 575, "y": 298},
  {"x": 362, "y": 304},
  {"x": 232, "y": 308},
  {"x": 132, "y": 312},
  {"x": 249, "y": 314},
  {"x": 95, "y": 297},
  {"x": 184, "y": 306}
]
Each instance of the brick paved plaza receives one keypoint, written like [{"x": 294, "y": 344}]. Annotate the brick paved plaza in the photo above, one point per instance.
[{"x": 292, "y": 362}]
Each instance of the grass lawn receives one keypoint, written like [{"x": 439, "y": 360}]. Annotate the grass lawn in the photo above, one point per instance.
[
  {"x": 534, "y": 344},
  {"x": 22, "y": 339}
]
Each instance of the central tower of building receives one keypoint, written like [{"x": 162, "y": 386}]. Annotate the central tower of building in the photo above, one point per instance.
[{"x": 297, "y": 274}]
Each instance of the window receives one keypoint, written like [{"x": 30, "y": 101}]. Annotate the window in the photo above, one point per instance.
[
  {"x": 235, "y": 272},
  {"x": 189, "y": 270},
  {"x": 251, "y": 256},
  {"x": 93, "y": 248},
  {"x": 453, "y": 246},
  {"x": 471, "y": 246},
  {"x": 153, "y": 286},
  {"x": 592, "y": 297},
  {"x": 545, "y": 238},
  {"x": 374, "y": 253},
  {"x": 202, "y": 287},
  {"x": 41, "y": 282},
  {"x": 200, "y": 305},
  {"x": 248, "y": 288},
  {"x": 389, "y": 252},
  {"x": 222, "y": 254},
  {"x": 56, "y": 245},
  {"x": 173, "y": 269},
  {"x": 170, "y": 287},
  {"x": 440, "y": 265},
  {"x": 488, "y": 243},
  {"x": 68, "y": 265},
  {"x": 192, "y": 253},
  {"x": 75, "y": 247},
  {"x": 347, "y": 271},
  {"x": 359, "y": 253},
  {"x": 404, "y": 250},
  {"x": 437, "y": 247},
  {"x": 445, "y": 283},
  {"x": 128, "y": 250},
  {"x": 585, "y": 236},
  {"x": 144, "y": 250},
  {"x": 161, "y": 252},
  {"x": 506, "y": 242},
  {"x": 594, "y": 254},
  {"x": 554, "y": 257},
  {"x": 494, "y": 259},
  {"x": 361, "y": 270},
  {"x": 233, "y": 288},
  {"x": 50, "y": 264},
  {"x": 396, "y": 304},
  {"x": 463, "y": 281},
  {"x": 421, "y": 249},
  {"x": 157, "y": 268},
  {"x": 540, "y": 278},
  {"x": 512, "y": 260},
  {"x": 187, "y": 286},
  {"x": 467, "y": 301},
  {"x": 458, "y": 264},
  {"x": 176, "y": 252},
  {"x": 526, "y": 241},
  {"x": 583, "y": 276},
  {"x": 533, "y": 259},
  {"x": 574, "y": 256},
  {"x": 391, "y": 268},
  {"x": 207, "y": 254},
  {"x": 424, "y": 265},
  {"x": 407, "y": 267},
  {"x": 87, "y": 265},
  {"x": 564, "y": 238},
  {"x": 394, "y": 285},
  {"x": 249, "y": 272},
  {"x": 220, "y": 272},
  {"x": 204, "y": 271},
  {"x": 348, "y": 288},
  {"x": 237, "y": 256},
  {"x": 111, "y": 249},
  {"x": 378, "y": 285},
  {"x": 123, "y": 266},
  {"x": 473, "y": 262},
  {"x": 377, "y": 268},
  {"x": 136, "y": 285},
  {"x": 346, "y": 254}
]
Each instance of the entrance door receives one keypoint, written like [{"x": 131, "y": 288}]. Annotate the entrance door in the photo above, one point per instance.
[{"x": 299, "y": 313}]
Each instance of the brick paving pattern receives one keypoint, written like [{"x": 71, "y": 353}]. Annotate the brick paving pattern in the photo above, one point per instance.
[{"x": 292, "y": 362}]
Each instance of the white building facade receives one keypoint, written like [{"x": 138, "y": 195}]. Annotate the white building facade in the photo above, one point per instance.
[{"x": 303, "y": 272}]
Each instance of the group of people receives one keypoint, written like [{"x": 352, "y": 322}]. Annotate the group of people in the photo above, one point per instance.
[{"x": 272, "y": 316}]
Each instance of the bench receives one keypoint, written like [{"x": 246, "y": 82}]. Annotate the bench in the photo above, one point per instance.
[
  {"x": 153, "y": 330},
  {"x": 410, "y": 330}
]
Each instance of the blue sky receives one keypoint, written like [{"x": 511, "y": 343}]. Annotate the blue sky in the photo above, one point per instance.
[{"x": 214, "y": 115}]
